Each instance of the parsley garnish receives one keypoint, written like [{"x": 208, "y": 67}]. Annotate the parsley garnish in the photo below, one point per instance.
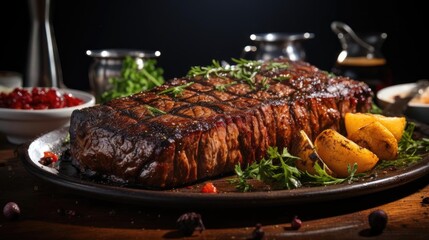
[
  {"x": 176, "y": 90},
  {"x": 133, "y": 79},
  {"x": 276, "y": 170}
]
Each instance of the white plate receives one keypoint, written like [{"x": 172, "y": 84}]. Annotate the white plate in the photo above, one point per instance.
[
  {"x": 415, "y": 110},
  {"x": 389, "y": 93}
]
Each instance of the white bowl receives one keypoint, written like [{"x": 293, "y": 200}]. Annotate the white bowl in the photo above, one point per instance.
[
  {"x": 23, "y": 125},
  {"x": 415, "y": 110}
]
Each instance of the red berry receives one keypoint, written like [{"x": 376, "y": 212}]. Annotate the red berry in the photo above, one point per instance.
[
  {"x": 209, "y": 188},
  {"x": 37, "y": 98}
]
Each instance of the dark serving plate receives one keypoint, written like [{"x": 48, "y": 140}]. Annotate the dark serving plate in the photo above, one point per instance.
[{"x": 191, "y": 196}]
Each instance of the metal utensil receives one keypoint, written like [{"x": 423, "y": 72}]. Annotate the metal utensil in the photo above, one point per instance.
[{"x": 400, "y": 104}]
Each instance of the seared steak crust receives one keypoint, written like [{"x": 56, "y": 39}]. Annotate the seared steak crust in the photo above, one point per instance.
[{"x": 205, "y": 132}]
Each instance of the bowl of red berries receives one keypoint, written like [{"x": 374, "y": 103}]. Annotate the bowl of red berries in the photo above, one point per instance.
[{"x": 26, "y": 113}]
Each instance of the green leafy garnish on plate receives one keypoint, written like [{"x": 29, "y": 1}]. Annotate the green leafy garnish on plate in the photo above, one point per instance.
[
  {"x": 279, "y": 171},
  {"x": 133, "y": 79},
  {"x": 409, "y": 150}
]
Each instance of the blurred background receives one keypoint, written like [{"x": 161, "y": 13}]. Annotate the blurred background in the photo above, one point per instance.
[{"x": 193, "y": 32}]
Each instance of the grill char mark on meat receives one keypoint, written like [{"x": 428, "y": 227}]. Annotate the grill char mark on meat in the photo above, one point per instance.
[{"x": 206, "y": 132}]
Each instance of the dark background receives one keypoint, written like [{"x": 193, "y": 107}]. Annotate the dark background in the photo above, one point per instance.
[{"x": 193, "y": 32}]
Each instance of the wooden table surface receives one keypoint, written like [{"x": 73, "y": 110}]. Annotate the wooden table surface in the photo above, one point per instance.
[{"x": 51, "y": 212}]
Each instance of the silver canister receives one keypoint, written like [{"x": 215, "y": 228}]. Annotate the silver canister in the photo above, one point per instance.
[
  {"x": 273, "y": 45},
  {"x": 108, "y": 63}
]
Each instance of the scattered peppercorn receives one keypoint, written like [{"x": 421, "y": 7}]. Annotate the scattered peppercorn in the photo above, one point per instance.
[
  {"x": 187, "y": 223},
  {"x": 377, "y": 221},
  {"x": 425, "y": 200},
  {"x": 11, "y": 211},
  {"x": 296, "y": 223},
  {"x": 258, "y": 233}
]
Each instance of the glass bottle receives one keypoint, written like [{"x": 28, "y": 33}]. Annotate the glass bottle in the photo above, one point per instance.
[{"x": 361, "y": 58}]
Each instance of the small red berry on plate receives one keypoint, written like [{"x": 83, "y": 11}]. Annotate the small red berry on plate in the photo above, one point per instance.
[{"x": 209, "y": 188}]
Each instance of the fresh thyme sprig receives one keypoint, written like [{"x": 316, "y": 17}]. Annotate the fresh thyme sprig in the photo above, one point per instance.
[
  {"x": 323, "y": 178},
  {"x": 265, "y": 84},
  {"x": 153, "y": 111},
  {"x": 282, "y": 77},
  {"x": 176, "y": 90},
  {"x": 222, "y": 87},
  {"x": 244, "y": 70}
]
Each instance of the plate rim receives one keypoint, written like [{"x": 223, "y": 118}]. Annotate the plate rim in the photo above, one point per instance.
[{"x": 225, "y": 199}]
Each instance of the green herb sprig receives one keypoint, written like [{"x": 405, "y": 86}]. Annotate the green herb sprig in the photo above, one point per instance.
[
  {"x": 408, "y": 148},
  {"x": 278, "y": 170},
  {"x": 153, "y": 111},
  {"x": 133, "y": 79},
  {"x": 176, "y": 90},
  {"x": 244, "y": 70},
  {"x": 323, "y": 178},
  {"x": 222, "y": 87}
]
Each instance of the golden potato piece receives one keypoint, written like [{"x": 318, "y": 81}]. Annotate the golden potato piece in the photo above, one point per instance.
[
  {"x": 396, "y": 125},
  {"x": 307, "y": 155},
  {"x": 378, "y": 139},
  {"x": 338, "y": 152},
  {"x": 354, "y": 121}
]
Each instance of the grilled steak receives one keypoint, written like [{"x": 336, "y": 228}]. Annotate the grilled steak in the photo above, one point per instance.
[{"x": 162, "y": 138}]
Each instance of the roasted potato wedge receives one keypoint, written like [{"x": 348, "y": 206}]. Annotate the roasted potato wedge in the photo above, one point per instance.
[
  {"x": 307, "y": 155},
  {"x": 396, "y": 125},
  {"x": 355, "y": 121},
  {"x": 338, "y": 152},
  {"x": 378, "y": 139}
]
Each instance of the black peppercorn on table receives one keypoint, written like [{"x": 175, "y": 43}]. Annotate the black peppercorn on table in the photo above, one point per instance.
[{"x": 48, "y": 211}]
